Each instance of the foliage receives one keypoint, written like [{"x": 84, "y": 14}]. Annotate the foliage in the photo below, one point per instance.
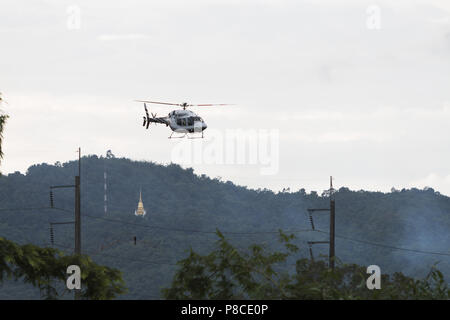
[
  {"x": 3, "y": 118},
  {"x": 41, "y": 266},
  {"x": 181, "y": 205},
  {"x": 314, "y": 280},
  {"x": 226, "y": 273}
]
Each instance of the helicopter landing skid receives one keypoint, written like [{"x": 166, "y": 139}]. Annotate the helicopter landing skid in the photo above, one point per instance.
[
  {"x": 170, "y": 137},
  {"x": 192, "y": 137},
  {"x": 185, "y": 135}
]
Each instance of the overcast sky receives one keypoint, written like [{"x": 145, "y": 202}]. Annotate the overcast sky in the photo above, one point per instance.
[{"x": 355, "y": 89}]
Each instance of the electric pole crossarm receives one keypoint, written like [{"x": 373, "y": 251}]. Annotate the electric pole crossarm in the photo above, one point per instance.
[
  {"x": 61, "y": 209},
  {"x": 314, "y": 210},
  {"x": 318, "y": 242},
  {"x": 69, "y": 222},
  {"x": 66, "y": 186}
]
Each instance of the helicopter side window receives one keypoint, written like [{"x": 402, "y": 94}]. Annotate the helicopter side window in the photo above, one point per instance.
[
  {"x": 190, "y": 121},
  {"x": 179, "y": 122}
]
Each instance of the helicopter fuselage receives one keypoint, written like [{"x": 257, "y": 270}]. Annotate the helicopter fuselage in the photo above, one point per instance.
[
  {"x": 185, "y": 121},
  {"x": 180, "y": 121}
]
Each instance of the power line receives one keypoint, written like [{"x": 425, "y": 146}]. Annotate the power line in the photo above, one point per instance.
[
  {"x": 25, "y": 209},
  {"x": 118, "y": 257},
  {"x": 194, "y": 230},
  {"x": 238, "y": 233},
  {"x": 29, "y": 193},
  {"x": 185, "y": 230},
  {"x": 388, "y": 246},
  {"x": 120, "y": 240},
  {"x": 159, "y": 227}
]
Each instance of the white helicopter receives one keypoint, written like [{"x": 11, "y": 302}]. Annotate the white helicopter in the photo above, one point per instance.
[{"x": 180, "y": 121}]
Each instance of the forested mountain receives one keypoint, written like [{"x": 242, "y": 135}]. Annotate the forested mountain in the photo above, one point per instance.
[{"x": 184, "y": 210}]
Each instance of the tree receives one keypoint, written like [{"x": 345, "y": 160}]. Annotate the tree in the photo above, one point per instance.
[
  {"x": 110, "y": 155},
  {"x": 226, "y": 273},
  {"x": 41, "y": 266},
  {"x": 3, "y": 118},
  {"x": 229, "y": 274}
]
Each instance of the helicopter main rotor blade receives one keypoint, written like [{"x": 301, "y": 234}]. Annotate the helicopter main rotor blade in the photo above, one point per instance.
[
  {"x": 210, "y": 104},
  {"x": 156, "y": 102},
  {"x": 184, "y": 105}
]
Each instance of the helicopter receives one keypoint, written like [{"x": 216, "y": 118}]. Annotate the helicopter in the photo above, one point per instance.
[{"x": 180, "y": 121}]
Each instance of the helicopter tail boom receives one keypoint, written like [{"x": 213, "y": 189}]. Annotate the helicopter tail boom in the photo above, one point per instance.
[{"x": 154, "y": 119}]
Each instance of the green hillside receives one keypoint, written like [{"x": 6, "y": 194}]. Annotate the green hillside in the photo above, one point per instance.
[{"x": 184, "y": 210}]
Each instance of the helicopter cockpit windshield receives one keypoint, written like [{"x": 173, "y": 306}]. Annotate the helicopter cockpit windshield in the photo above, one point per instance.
[{"x": 189, "y": 121}]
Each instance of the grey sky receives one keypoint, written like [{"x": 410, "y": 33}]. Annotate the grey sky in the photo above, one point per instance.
[{"x": 368, "y": 106}]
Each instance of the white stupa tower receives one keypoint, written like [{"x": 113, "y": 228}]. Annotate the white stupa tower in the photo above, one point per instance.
[{"x": 140, "y": 211}]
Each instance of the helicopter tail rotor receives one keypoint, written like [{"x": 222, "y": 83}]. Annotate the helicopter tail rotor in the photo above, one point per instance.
[{"x": 146, "y": 119}]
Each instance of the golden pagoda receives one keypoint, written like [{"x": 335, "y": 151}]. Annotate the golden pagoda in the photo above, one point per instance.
[{"x": 140, "y": 211}]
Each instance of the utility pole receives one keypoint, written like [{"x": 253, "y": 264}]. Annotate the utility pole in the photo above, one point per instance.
[
  {"x": 77, "y": 207},
  {"x": 77, "y": 221},
  {"x": 332, "y": 226},
  {"x": 105, "y": 199},
  {"x": 331, "y": 242},
  {"x": 78, "y": 215}
]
